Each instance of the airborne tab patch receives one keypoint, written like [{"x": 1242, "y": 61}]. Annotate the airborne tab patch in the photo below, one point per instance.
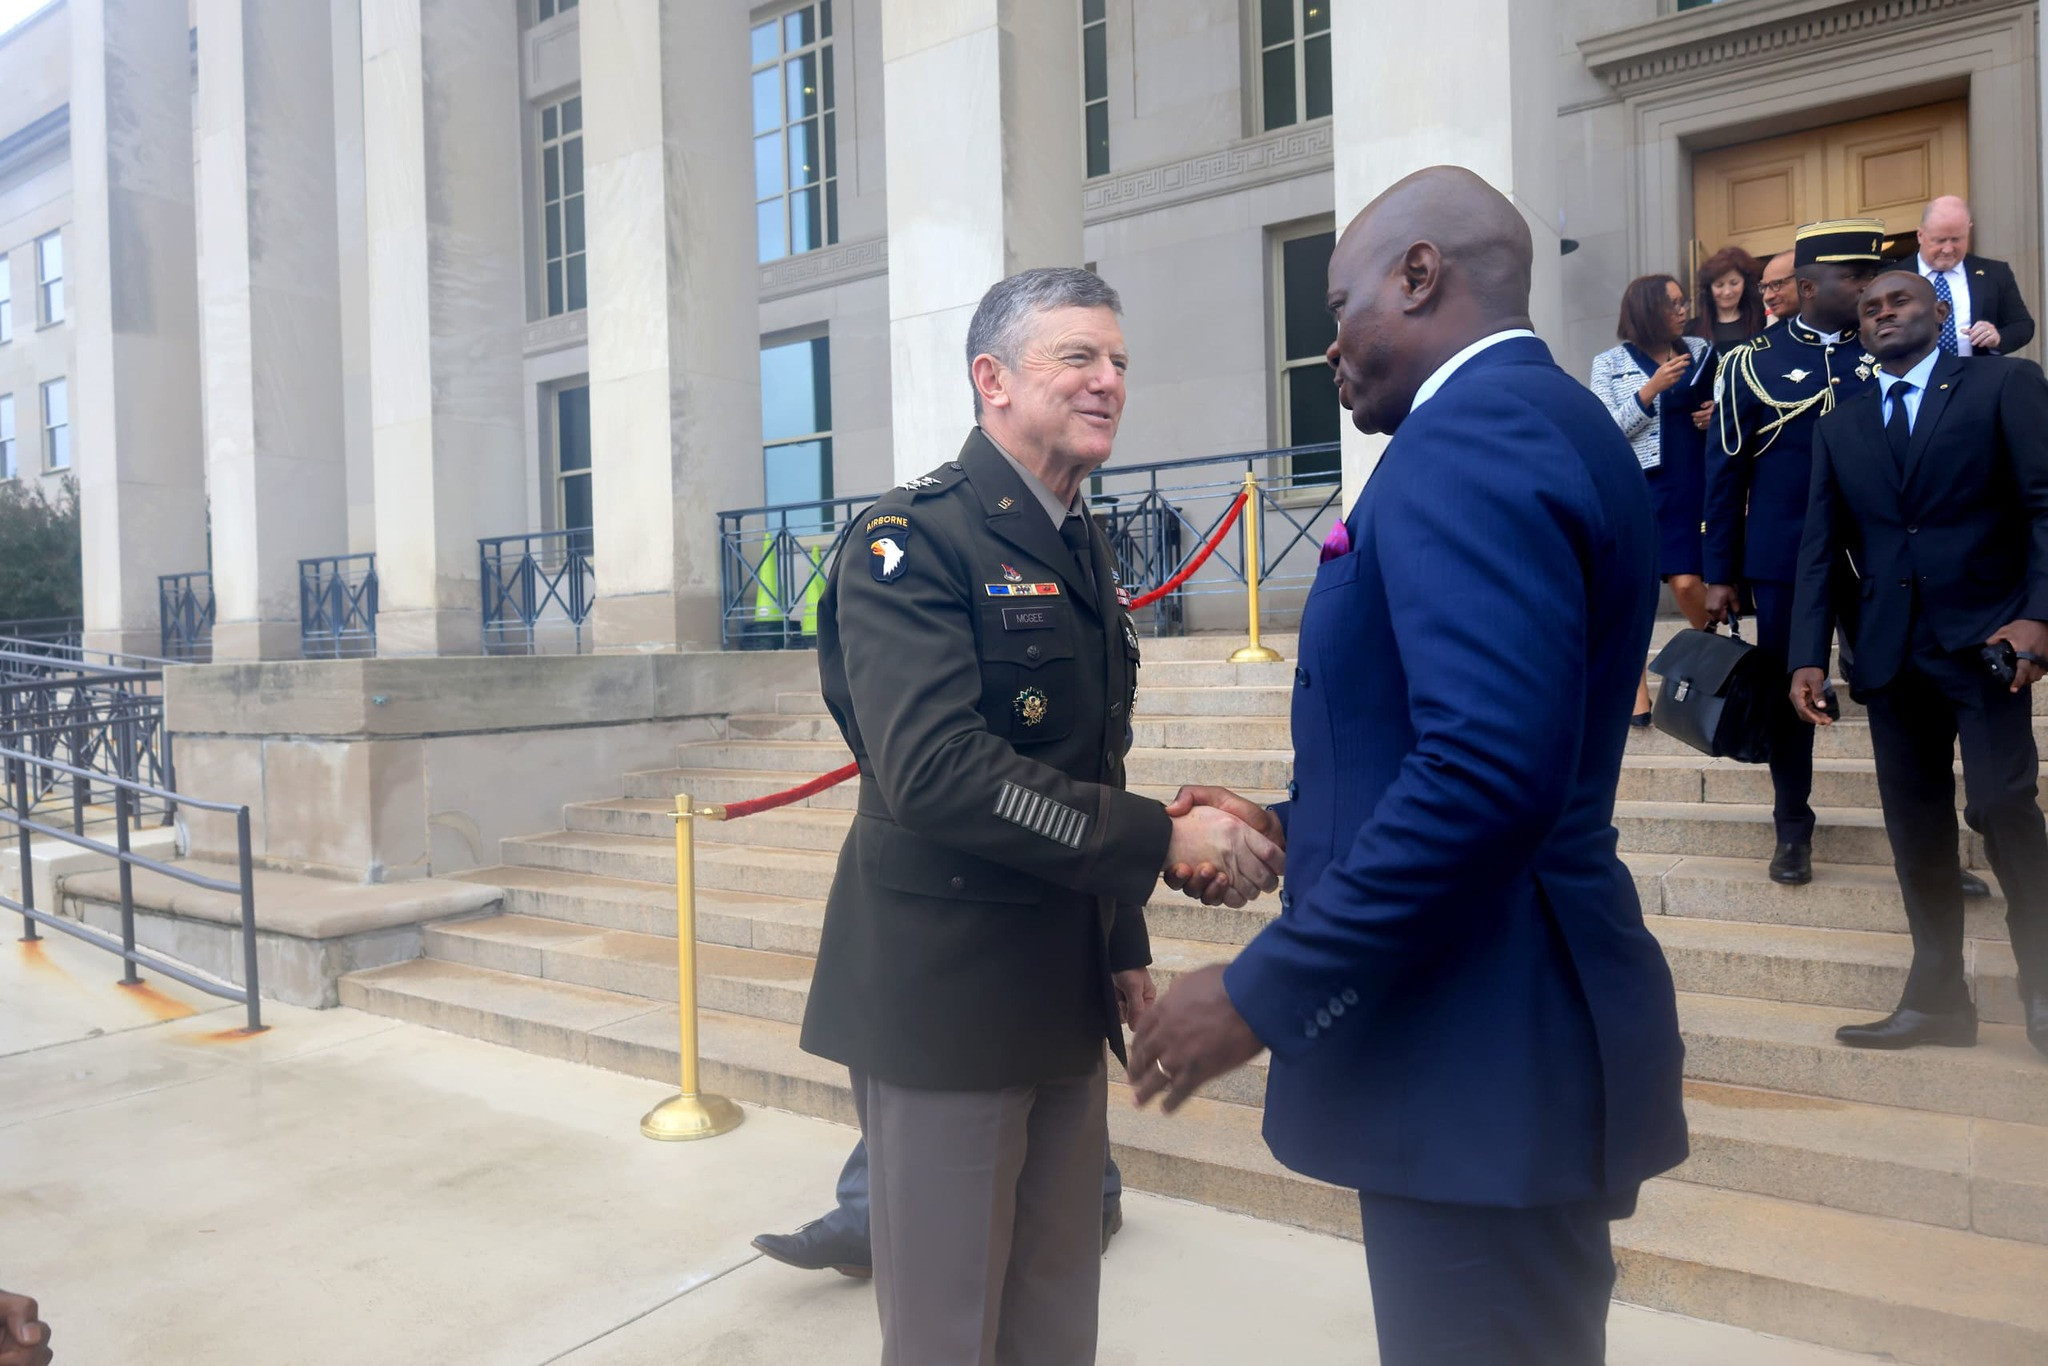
[{"x": 888, "y": 546}]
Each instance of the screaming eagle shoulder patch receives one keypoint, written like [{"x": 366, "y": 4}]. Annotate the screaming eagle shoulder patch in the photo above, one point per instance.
[{"x": 888, "y": 536}]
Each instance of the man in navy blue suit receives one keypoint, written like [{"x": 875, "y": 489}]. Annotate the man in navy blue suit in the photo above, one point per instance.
[{"x": 1468, "y": 1021}]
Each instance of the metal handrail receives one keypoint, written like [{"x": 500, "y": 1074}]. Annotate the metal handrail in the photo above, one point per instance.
[
  {"x": 109, "y": 723},
  {"x": 185, "y": 609},
  {"x": 338, "y": 606},
  {"x": 547, "y": 580},
  {"x": 776, "y": 559},
  {"x": 126, "y": 792}
]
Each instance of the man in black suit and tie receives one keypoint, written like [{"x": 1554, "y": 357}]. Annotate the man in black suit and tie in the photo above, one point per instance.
[
  {"x": 1987, "y": 316},
  {"x": 1936, "y": 484}
]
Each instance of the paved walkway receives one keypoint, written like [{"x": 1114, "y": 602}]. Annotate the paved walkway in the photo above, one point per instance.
[{"x": 346, "y": 1189}]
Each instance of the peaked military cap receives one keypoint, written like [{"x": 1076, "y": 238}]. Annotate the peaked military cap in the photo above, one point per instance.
[{"x": 1846, "y": 241}]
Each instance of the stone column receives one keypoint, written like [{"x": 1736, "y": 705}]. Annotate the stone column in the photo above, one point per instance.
[
  {"x": 675, "y": 349},
  {"x": 1470, "y": 84},
  {"x": 982, "y": 124},
  {"x": 441, "y": 143},
  {"x": 272, "y": 318},
  {"x": 353, "y": 249},
  {"x": 132, "y": 275}
]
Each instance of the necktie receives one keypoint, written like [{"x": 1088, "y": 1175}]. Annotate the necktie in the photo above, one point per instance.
[
  {"x": 1898, "y": 430},
  {"x": 1950, "y": 346},
  {"x": 1074, "y": 531}
]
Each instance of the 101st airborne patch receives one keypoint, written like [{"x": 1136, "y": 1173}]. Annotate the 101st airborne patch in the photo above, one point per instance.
[{"x": 888, "y": 546}]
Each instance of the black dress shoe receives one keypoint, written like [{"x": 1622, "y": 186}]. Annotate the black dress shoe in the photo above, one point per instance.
[
  {"x": 1975, "y": 887},
  {"x": 1792, "y": 865},
  {"x": 2037, "y": 1019},
  {"x": 1112, "y": 1224},
  {"x": 1910, "y": 1028},
  {"x": 1641, "y": 720},
  {"x": 814, "y": 1247}
]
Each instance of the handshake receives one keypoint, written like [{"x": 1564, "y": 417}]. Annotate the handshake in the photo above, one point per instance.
[{"x": 1225, "y": 849}]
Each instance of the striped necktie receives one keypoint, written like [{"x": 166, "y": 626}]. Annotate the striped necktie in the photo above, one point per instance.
[{"x": 1950, "y": 346}]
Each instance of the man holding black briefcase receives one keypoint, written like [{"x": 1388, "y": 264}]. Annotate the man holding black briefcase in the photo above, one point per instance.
[{"x": 1936, "y": 483}]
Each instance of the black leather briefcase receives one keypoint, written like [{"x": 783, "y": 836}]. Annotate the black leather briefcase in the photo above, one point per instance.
[{"x": 1716, "y": 694}]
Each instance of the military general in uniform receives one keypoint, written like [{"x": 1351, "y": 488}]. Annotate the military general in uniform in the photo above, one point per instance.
[
  {"x": 1768, "y": 397},
  {"x": 984, "y": 934}
]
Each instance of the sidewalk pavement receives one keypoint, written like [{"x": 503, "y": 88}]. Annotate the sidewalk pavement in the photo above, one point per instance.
[{"x": 346, "y": 1188}]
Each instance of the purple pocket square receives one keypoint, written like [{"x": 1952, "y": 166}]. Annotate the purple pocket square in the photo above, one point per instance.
[{"x": 1338, "y": 542}]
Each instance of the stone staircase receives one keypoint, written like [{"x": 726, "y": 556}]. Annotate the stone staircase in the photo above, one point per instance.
[{"x": 1890, "y": 1203}]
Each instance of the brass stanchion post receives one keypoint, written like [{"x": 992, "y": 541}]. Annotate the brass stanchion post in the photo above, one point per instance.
[
  {"x": 688, "y": 1115},
  {"x": 1253, "y": 653}
]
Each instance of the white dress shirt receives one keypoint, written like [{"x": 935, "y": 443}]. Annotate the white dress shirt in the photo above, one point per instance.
[
  {"x": 1918, "y": 377},
  {"x": 1450, "y": 367},
  {"x": 1959, "y": 296}
]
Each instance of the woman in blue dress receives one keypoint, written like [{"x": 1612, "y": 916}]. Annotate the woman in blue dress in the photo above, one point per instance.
[{"x": 1659, "y": 385}]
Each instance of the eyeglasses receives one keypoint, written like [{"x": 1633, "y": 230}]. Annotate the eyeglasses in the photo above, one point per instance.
[{"x": 1770, "y": 285}]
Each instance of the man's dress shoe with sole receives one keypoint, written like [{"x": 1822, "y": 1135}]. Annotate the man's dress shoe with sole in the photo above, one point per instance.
[
  {"x": 815, "y": 1247},
  {"x": 1912, "y": 1028},
  {"x": 1792, "y": 865}
]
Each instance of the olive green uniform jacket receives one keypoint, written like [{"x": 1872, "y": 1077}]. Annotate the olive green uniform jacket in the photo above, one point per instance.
[{"x": 996, "y": 869}]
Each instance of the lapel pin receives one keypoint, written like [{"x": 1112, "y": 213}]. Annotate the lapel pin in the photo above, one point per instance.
[{"x": 1005, "y": 502}]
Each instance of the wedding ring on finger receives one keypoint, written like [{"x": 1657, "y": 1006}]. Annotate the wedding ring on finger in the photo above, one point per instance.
[{"x": 1162, "y": 1071}]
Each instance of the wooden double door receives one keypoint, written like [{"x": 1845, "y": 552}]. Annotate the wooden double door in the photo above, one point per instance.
[{"x": 1754, "y": 195}]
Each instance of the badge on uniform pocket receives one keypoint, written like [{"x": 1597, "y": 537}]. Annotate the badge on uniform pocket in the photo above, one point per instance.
[
  {"x": 888, "y": 545},
  {"x": 1032, "y": 704}
]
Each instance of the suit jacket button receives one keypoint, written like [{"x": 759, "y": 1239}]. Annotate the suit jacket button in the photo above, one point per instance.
[
  {"x": 1309, "y": 1030},
  {"x": 1336, "y": 1006},
  {"x": 1301, "y": 678},
  {"x": 1286, "y": 899},
  {"x": 1323, "y": 1018},
  {"x": 1903, "y": 583},
  {"x": 1348, "y": 996},
  {"x": 958, "y": 883},
  {"x": 1293, "y": 790},
  {"x": 1912, "y": 531},
  {"x": 1033, "y": 652}
]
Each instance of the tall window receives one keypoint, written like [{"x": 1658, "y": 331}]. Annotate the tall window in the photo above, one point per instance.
[
  {"x": 1294, "y": 61},
  {"x": 561, "y": 203},
  {"x": 6, "y": 300},
  {"x": 1309, "y": 412},
  {"x": 572, "y": 460},
  {"x": 1095, "y": 83},
  {"x": 796, "y": 422},
  {"x": 550, "y": 8},
  {"x": 8, "y": 469},
  {"x": 56, "y": 425},
  {"x": 50, "y": 278},
  {"x": 796, "y": 133}
]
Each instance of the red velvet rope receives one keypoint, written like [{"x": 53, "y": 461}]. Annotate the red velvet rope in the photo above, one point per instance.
[{"x": 753, "y": 805}]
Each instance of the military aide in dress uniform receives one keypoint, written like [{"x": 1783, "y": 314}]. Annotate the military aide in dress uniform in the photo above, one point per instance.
[
  {"x": 1769, "y": 395},
  {"x": 985, "y": 916}
]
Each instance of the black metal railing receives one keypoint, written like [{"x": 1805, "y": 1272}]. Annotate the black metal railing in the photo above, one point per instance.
[
  {"x": 338, "y": 606},
  {"x": 106, "y": 724},
  {"x": 184, "y": 608},
  {"x": 774, "y": 561},
  {"x": 537, "y": 592},
  {"x": 60, "y": 632},
  {"x": 15, "y": 767}
]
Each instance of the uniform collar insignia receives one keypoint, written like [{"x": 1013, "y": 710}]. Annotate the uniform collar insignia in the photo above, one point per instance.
[{"x": 1797, "y": 376}]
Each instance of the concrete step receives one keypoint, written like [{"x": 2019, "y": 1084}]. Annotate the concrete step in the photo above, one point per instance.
[
  {"x": 1918, "y": 1290},
  {"x": 1696, "y": 778},
  {"x": 798, "y": 758},
  {"x": 1210, "y": 646},
  {"x": 812, "y": 727},
  {"x": 1848, "y": 969},
  {"x": 1848, "y": 738},
  {"x": 1243, "y": 769},
  {"x": 1156, "y": 701},
  {"x": 1841, "y": 896},
  {"x": 740, "y": 919},
  {"x": 801, "y": 704},
  {"x": 1220, "y": 734},
  {"x": 731, "y": 785},
  {"x": 1776, "y": 1046},
  {"x": 820, "y": 829},
  {"x": 1745, "y": 831}
]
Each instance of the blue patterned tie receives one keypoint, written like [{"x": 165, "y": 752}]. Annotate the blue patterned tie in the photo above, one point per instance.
[{"x": 1949, "y": 345}]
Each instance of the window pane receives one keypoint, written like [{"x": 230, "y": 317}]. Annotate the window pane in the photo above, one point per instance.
[
  {"x": 1313, "y": 414},
  {"x": 551, "y": 219},
  {"x": 1315, "y": 16},
  {"x": 769, "y": 225},
  {"x": 1278, "y": 69},
  {"x": 799, "y": 29},
  {"x": 1091, "y": 11},
  {"x": 825, "y": 18},
  {"x": 548, "y": 126},
  {"x": 572, "y": 166},
  {"x": 572, "y": 431},
  {"x": 1276, "y": 22},
  {"x": 576, "y": 502},
  {"x": 831, "y": 211},
  {"x": 803, "y": 153},
  {"x": 1305, "y": 287},
  {"x": 56, "y": 403},
  {"x": 1315, "y": 77},
  {"x": 53, "y": 302},
  {"x": 806, "y": 221},
  {"x": 768, "y": 165},
  {"x": 763, "y": 45},
  {"x": 551, "y": 174},
  {"x": 802, "y": 73},
  {"x": 547, "y": 9},
  {"x": 567, "y": 5},
  {"x": 50, "y": 257},
  {"x": 767, "y": 100},
  {"x": 572, "y": 224},
  {"x": 795, "y": 473},
  {"x": 6, "y": 316},
  {"x": 825, "y": 70},
  {"x": 578, "y": 292},
  {"x": 6, "y": 417},
  {"x": 1097, "y": 116},
  {"x": 1095, "y": 62},
  {"x": 831, "y": 146},
  {"x": 572, "y": 115},
  {"x": 554, "y": 288},
  {"x": 796, "y": 397},
  {"x": 60, "y": 448}
]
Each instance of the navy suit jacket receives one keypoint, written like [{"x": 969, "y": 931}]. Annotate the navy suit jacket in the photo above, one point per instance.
[
  {"x": 1995, "y": 298},
  {"x": 1461, "y": 999}
]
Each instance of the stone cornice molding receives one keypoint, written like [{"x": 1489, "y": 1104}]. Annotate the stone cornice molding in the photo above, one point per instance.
[
  {"x": 839, "y": 264},
  {"x": 29, "y": 147},
  {"x": 1300, "y": 150},
  {"x": 557, "y": 333},
  {"x": 1740, "y": 33}
]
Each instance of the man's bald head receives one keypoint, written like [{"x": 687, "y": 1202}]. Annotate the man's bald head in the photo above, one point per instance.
[
  {"x": 1945, "y": 231},
  {"x": 1438, "y": 261}
]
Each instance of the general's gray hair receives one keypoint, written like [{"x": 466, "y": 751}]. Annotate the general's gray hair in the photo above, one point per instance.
[{"x": 1000, "y": 322}]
